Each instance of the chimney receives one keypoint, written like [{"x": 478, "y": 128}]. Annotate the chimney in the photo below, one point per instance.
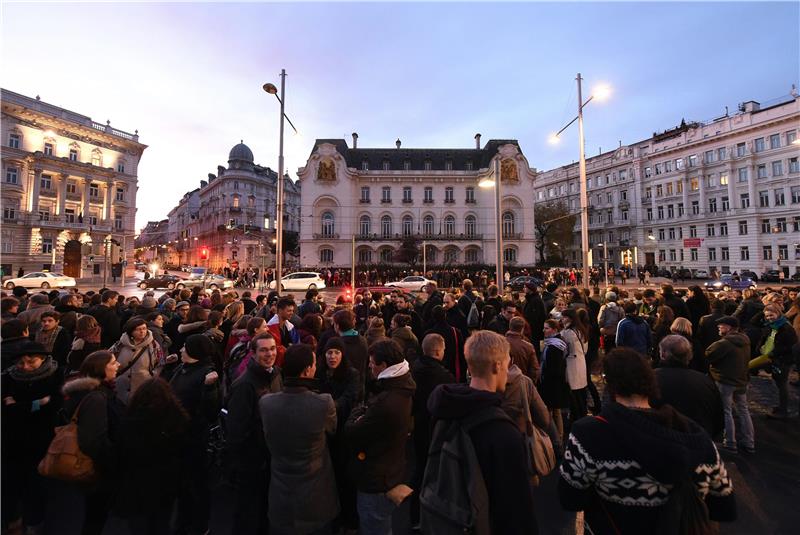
[
  {"x": 397, "y": 143},
  {"x": 478, "y": 141},
  {"x": 355, "y": 140},
  {"x": 749, "y": 106}
]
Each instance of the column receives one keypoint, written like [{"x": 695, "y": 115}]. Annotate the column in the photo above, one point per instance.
[
  {"x": 732, "y": 178},
  {"x": 86, "y": 183},
  {"x": 107, "y": 204},
  {"x": 751, "y": 183},
  {"x": 687, "y": 210},
  {"x": 702, "y": 184},
  {"x": 34, "y": 193},
  {"x": 62, "y": 193}
]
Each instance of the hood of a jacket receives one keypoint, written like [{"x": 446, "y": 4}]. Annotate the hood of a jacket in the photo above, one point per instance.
[
  {"x": 402, "y": 382},
  {"x": 664, "y": 442},
  {"x": 456, "y": 401},
  {"x": 81, "y": 384},
  {"x": 737, "y": 339}
]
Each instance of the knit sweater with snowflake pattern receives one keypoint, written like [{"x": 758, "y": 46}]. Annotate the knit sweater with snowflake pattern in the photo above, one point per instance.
[{"x": 619, "y": 468}]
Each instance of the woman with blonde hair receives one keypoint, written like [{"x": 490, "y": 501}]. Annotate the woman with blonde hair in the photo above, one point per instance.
[
  {"x": 775, "y": 352},
  {"x": 683, "y": 327},
  {"x": 232, "y": 313}
]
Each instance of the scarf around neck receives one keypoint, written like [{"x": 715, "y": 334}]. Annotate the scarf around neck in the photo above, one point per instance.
[{"x": 48, "y": 368}]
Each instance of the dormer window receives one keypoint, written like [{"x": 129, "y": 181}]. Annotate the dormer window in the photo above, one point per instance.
[
  {"x": 407, "y": 165},
  {"x": 427, "y": 165},
  {"x": 365, "y": 165},
  {"x": 386, "y": 165},
  {"x": 468, "y": 165},
  {"x": 448, "y": 165}
]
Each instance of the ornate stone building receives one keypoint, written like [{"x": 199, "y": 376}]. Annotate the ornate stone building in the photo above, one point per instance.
[
  {"x": 382, "y": 195},
  {"x": 69, "y": 190},
  {"x": 233, "y": 213},
  {"x": 719, "y": 195}
]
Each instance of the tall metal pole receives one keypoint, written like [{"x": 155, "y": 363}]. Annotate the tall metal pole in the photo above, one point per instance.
[
  {"x": 279, "y": 196},
  {"x": 583, "y": 190},
  {"x": 498, "y": 226},
  {"x": 605, "y": 257},
  {"x": 353, "y": 267},
  {"x": 124, "y": 261},
  {"x": 424, "y": 258}
]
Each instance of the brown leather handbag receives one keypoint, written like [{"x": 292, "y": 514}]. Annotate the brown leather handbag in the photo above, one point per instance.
[{"x": 64, "y": 459}]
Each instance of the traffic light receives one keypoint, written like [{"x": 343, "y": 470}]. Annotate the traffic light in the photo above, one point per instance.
[{"x": 204, "y": 253}]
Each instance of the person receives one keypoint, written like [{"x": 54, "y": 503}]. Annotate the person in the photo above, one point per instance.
[
  {"x": 376, "y": 330},
  {"x": 14, "y": 334},
  {"x": 196, "y": 385},
  {"x": 155, "y": 324},
  {"x": 106, "y": 315},
  {"x": 281, "y": 328},
  {"x": 500, "y": 322},
  {"x": 775, "y": 350},
  {"x": 610, "y": 316},
  {"x": 434, "y": 298},
  {"x": 749, "y": 308},
  {"x": 87, "y": 340},
  {"x": 707, "y": 331},
  {"x": 309, "y": 305},
  {"x": 522, "y": 352},
  {"x": 632, "y": 441},
  {"x": 453, "y": 343},
  {"x": 355, "y": 346},
  {"x": 99, "y": 412},
  {"x": 499, "y": 446},
  {"x": 246, "y": 456},
  {"x": 698, "y": 306},
  {"x": 727, "y": 359},
  {"x": 575, "y": 335},
  {"x": 171, "y": 328},
  {"x": 690, "y": 392},
  {"x": 139, "y": 357},
  {"x": 9, "y": 307},
  {"x": 673, "y": 301},
  {"x": 633, "y": 332},
  {"x": 310, "y": 328},
  {"x": 339, "y": 379},
  {"x": 554, "y": 387},
  {"x": 534, "y": 313},
  {"x": 54, "y": 338},
  {"x": 31, "y": 393},
  {"x": 297, "y": 422},
  {"x": 148, "y": 484},
  {"x": 402, "y": 334},
  {"x": 428, "y": 372},
  {"x": 453, "y": 315},
  {"x": 649, "y": 307},
  {"x": 376, "y": 435}
]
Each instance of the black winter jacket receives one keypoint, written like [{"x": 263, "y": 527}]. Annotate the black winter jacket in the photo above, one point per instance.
[{"x": 693, "y": 394}]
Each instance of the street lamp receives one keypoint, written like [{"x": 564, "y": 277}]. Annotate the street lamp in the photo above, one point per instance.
[
  {"x": 494, "y": 181},
  {"x": 601, "y": 92},
  {"x": 272, "y": 90},
  {"x": 605, "y": 259}
]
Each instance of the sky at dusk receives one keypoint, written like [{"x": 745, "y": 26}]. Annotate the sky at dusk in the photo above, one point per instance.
[{"x": 188, "y": 76}]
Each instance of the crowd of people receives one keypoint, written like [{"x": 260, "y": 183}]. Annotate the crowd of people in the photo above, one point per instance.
[{"x": 325, "y": 417}]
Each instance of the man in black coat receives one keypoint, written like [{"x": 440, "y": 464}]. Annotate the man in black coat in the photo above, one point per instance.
[
  {"x": 674, "y": 302},
  {"x": 707, "y": 332},
  {"x": 171, "y": 327},
  {"x": 498, "y": 444},
  {"x": 106, "y": 316},
  {"x": 355, "y": 346},
  {"x": 434, "y": 298},
  {"x": 534, "y": 314},
  {"x": 428, "y": 373},
  {"x": 500, "y": 323},
  {"x": 376, "y": 434},
  {"x": 246, "y": 454},
  {"x": 690, "y": 392}
]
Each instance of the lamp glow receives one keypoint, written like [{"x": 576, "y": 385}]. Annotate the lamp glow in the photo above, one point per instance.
[
  {"x": 553, "y": 139},
  {"x": 486, "y": 183},
  {"x": 602, "y": 92}
]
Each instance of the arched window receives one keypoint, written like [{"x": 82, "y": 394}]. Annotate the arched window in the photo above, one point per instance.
[
  {"x": 326, "y": 256},
  {"x": 365, "y": 225},
  {"x": 451, "y": 255},
  {"x": 510, "y": 255},
  {"x": 408, "y": 225},
  {"x": 427, "y": 225},
  {"x": 471, "y": 256},
  {"x": 386, "y": 256},
  {"x": 470, "y": 224},
  {"x": 449, "y": 225},
  {"x": 430, "y": 254},
  {"x": 365, "y": 256},
  {"x": 386, "y": 226},
  {"x": 97, "y": 158},
  {"x": 328, "y": 225},
  {"x": 508, "y": 224}
]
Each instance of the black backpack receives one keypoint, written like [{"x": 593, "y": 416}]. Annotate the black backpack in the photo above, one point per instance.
[
  {"x": 685, "y": 512},
  {"x": 453, "y": 497}
]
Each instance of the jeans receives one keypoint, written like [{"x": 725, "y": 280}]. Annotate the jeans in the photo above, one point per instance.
[
  {"x": 733, "y": 395},
  {"x": 375, "y": 514}
]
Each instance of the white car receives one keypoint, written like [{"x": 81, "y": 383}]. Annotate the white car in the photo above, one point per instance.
[
  {"x": 212, "y": 282},
  {"x": 414, "y": 283},
  {"x": 41, "y": 279},
  {"x": 701, "y": 274},
  {"x": 301, "y": 280}
]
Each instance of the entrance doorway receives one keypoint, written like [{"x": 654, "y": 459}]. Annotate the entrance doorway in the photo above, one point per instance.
[
  {"x": 650, "y": 259},
  {"x": 72, "y": 258}
]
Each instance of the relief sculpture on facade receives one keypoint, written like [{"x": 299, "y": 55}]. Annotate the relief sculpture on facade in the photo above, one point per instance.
[{"x": 326, "y": 170}]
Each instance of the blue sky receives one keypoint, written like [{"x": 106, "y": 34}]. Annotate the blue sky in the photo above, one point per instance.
[{"x": 189, "y": 76}]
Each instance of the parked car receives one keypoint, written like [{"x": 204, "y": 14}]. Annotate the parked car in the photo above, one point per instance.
[
  {"x": 729, "y": 282},
  {"x": 683, "y": 273},
  {"x": 301, "y": 280},
  {"x": 700, "y": 274},
  {"x": 772, "y": 275},
  {"x": 518, "y": 283},
  {"x": 161, "y": 281},
  {"x": 212, "y": 282},
  {"x": 796, "y": 276},
  {"x": 749, "y": 274},
  {"x": 663, "y": 272},
  {"x": 414, "y": 282},
  {"x": 41, "y": 279}
]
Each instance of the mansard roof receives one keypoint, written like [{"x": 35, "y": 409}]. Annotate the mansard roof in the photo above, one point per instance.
[{"x": 480, "y": 158}]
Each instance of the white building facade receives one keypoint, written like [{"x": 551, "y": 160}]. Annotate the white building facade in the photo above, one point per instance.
[
  {"x": 69, "y": 190},
  {"x": 233, "y": 215},
  {"x": 722, "y": 195},
  {"x": 381, "y": 196}
]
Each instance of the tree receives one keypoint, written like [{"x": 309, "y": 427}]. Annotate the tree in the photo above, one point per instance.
[
  {"x": 553, "y": 222},
  {"x": 409, "y": 251},
  {"x": 291, "y": 243}
]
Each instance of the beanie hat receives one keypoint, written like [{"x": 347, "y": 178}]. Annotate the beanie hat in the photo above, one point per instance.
[
  {"x": 148, "y": 301},
  {"x": 168, "y": 302},
  {"x": 334, "y": 343},
  {"x": 728, "y": 320},
  {"x": 19, "y": 291},
  {"x": 200, "y": 347}
]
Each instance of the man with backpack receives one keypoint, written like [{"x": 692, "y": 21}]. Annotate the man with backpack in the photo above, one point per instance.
[{"x": 482, "y": 442}]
